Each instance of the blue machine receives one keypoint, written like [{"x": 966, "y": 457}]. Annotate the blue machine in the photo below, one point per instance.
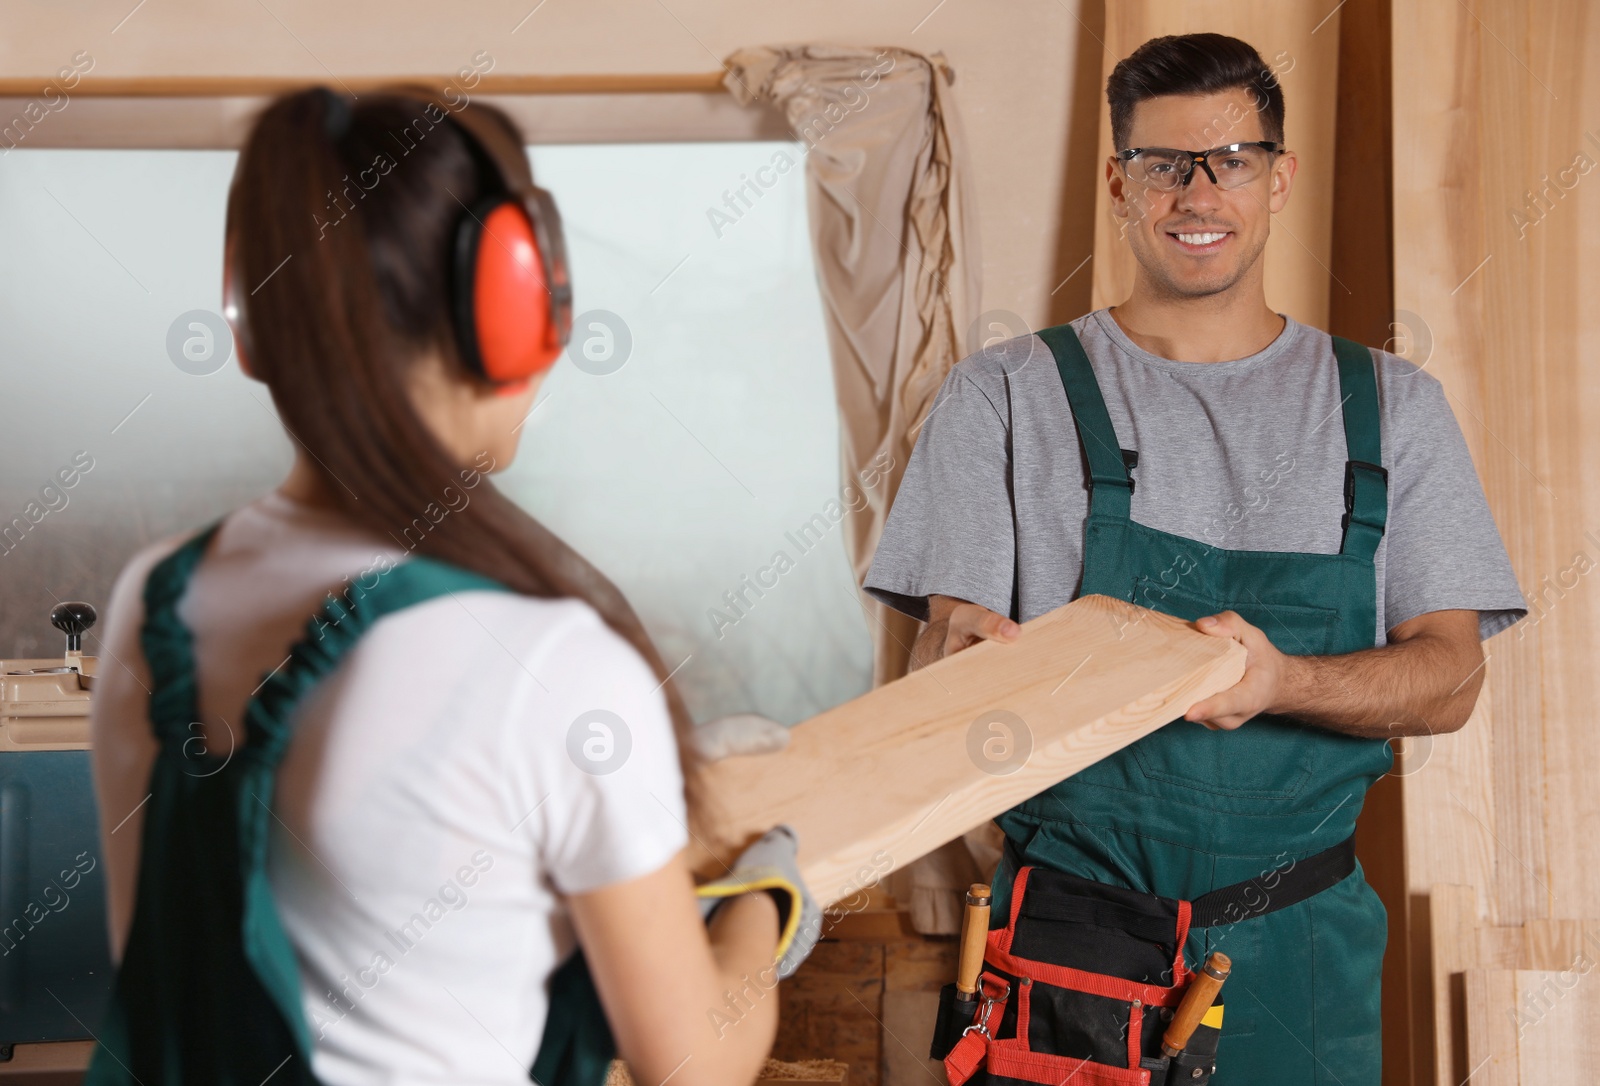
[{"x": 55, "y": 968}]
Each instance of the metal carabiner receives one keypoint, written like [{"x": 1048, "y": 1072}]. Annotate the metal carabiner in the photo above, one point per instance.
[{"x": 985, "y": 1009}]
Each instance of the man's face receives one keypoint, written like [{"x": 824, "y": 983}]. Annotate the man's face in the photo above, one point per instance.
[{"x": 1173, "y": 234}]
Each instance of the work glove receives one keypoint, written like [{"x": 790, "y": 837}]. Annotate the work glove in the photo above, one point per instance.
[
  {"x": 770, "y": 865},
  {"x": 741, "y": 733}
]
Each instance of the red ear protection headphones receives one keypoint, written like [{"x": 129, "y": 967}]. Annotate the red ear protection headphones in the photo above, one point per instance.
[
  {"x": 513, "y": 301},
  {"x": 511, "y": 297}
]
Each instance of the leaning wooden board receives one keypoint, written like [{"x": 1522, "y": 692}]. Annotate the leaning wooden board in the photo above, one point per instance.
[{"x": 890, "y": 776}]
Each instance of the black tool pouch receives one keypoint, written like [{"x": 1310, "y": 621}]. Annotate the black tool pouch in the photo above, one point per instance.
[
  {"x": 1197, "y": 1063},
  {"x": 956, "y": 1013}
]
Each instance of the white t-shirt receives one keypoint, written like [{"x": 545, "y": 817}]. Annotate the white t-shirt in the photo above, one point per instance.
[{"x": 431, "y": 806}]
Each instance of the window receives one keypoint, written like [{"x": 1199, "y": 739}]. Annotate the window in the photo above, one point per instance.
[{"x": 697, "y": 442}]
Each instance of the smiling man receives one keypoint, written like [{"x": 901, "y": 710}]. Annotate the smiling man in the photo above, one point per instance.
[{"x": 1197, "y": 453}]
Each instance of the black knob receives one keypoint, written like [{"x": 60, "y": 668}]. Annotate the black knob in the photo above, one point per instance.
[{"x": 73, "y": 618}]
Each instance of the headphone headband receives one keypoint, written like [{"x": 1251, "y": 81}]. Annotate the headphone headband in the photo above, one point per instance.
[
  {"x": 504, "y": 152},
  {"x": 510, "y": 292}
]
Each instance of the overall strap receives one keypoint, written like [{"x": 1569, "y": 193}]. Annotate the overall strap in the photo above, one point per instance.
[
  {"x": 268, "y": 718},
  {"x": 1366, "y": 480},
  {"x": 333, "y": 631},
  {"x": 1110, "y": 488},
  {"x": 209, "y": 987},
  {"x": 167, "y": 645}
]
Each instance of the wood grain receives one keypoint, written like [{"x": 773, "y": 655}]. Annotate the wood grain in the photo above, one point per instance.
[
  {"x": 881, "y": 780},
  {"x": 1491, "y": 1035},
  {"x": 1497, "y": 253},
  {"x": 1532, "y": 1026}
]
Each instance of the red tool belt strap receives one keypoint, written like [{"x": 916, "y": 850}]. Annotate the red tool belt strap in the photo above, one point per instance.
[{"x": 968, "y": 1054}]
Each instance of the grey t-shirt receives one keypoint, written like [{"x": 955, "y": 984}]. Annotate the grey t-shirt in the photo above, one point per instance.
[{"x": 1244, "y": 455}]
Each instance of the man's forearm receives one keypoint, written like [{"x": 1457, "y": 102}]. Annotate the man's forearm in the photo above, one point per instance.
[{"x": 1421, "y": 686}]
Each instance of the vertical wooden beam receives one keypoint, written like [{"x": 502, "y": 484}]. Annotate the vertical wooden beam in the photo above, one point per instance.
[
  {"x": 1361, "y": 307},
  {"x": 1361, "y": 292}
]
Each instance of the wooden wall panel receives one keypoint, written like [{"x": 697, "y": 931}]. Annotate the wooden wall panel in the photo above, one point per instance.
[
  {"x": 1497, "y": 266},
  {"x": 1301, "y": 43}
]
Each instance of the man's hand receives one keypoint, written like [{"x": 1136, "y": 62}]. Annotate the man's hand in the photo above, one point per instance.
[
  {"x": 954, "y": 625},
  {"x": 1266, "y": 674},
  {"x": 1425, "y": 681}
]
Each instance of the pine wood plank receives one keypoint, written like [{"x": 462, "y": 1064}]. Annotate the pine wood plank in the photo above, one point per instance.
[
  {"x": 1460, "y": 941},
  {"x": 1558, "y": 1031},
  {"x": 1560, "y": 944},
  {"x": 881, "y": 780},
  {"x": 1532, "y": 1026},
  {"x": 1491, "y": 1032}
]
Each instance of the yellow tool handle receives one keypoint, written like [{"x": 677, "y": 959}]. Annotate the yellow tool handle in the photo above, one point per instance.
[
  {"x": 1196, "y": 1002},
  {"x": 974, "y": 933}
]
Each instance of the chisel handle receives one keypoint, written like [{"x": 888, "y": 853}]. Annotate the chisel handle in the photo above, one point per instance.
[
  {"x": 974, "y": 934},
  {"x": 1196, "y": 1002}
]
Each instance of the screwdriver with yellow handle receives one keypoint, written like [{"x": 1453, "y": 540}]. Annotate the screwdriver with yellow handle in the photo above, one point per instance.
[{"x": 1197, "y": 1004}]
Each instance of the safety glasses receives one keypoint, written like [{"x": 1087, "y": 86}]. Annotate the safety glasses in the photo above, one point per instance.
[{"x": 1228, "y": 166}]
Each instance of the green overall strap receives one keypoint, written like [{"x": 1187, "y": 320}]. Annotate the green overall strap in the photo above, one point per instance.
[
  {"x": 1110, "y": 488},
  {"x": 1366, "y": 481},
  {"x": 209, "y": 987}
]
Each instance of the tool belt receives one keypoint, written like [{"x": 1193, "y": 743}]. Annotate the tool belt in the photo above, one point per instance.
[{"x": 1081, "y": 982}]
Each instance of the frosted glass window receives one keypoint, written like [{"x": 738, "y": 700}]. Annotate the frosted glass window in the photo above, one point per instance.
[{"x": 681, "y": 465}]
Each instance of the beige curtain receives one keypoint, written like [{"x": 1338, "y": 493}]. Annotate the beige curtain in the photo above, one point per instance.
[
  {"x": 896, "y": 241},
  {"x": 895, "y": 231}
]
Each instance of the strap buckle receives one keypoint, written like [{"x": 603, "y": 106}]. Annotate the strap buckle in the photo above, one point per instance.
[
  {"x": 1350, "y": 467},
  {"x": 980, "y": 1025},
  {"x": 1130, "y": 460}
]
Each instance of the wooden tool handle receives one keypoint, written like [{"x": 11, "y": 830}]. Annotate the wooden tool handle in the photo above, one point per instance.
[
  {"x": 974, "y": 934},
  {"x": 1197, "y": 1001}
]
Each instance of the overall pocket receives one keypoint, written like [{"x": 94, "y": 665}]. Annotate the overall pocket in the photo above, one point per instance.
[{"x": 1270, "y": 757}]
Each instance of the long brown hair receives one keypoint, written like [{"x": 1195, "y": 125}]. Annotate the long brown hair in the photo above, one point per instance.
[{"x": 340, "y": 225}]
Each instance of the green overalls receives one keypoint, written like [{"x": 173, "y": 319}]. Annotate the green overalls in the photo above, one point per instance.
[
  {"x": 1188, "y": 810},
  {"x": 208, "y": 993}
]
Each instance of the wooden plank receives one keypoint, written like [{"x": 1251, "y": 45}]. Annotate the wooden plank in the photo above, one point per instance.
[
  {"x": 1560, "y": 944},
  {"x": 881, "y": 780},
  {"x": 1491, "y": 1032},
  {"x": 257, "y": 86},
  {"x": 1532, "y": 1026},
  {"x": 1557, "y": 1019},
  {"x": 53, "y": 1062},
  {"x": 1458, "y": 941},
  {"x": 1450, "y": 950},
  {"x": 218, "y": 123}
]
